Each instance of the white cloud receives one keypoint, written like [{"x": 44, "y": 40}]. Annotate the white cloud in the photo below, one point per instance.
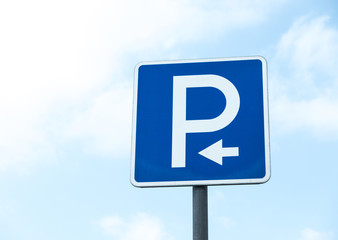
[
  {"x": 310, "y": 234},
  {"x": 152, "y": 23},
  {"x": 140, "y": 226},
  {"x": 43, "y": 72},
  {"x": 309, "y": 49},
  {"x": 105, "y": 126},
  {"x": 319, "y": 115},
  {"x": 304, "y": 86},
  {"x": 112, "y": 225}
]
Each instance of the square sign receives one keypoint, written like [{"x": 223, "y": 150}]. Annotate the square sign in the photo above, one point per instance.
[{"x": 200, "y": 122}]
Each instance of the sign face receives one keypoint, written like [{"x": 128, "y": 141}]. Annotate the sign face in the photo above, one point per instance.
[{"x": 200, "y": 122}]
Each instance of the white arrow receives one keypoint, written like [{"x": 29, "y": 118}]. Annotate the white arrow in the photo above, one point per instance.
[{"x": 216, "y": 152}]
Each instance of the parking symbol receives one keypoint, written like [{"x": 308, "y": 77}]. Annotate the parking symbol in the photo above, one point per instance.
[
  {"x": 200, "y": 122},
  {"x": 181, "y": 126}
]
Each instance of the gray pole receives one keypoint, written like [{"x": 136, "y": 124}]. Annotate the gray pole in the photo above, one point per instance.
[{"x": 200, "y": 212}]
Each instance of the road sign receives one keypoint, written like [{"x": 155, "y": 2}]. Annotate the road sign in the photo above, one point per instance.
[{"x": 200, "y": 122}]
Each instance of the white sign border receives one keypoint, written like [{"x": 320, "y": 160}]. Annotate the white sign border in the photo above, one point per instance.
[{"x": 204, "y": 182}]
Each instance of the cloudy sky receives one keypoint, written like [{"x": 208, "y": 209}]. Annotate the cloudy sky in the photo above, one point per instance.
[{"x": 66, "y": 80}]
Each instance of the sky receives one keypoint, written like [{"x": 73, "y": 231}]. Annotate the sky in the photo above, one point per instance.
[{"x": 66, "y": 93}]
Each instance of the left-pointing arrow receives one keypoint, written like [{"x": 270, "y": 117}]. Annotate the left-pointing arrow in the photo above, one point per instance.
[{"x": 216, "y": 152}]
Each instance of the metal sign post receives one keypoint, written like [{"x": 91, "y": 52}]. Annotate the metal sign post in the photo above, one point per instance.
[{"x": 200, "y": 212}]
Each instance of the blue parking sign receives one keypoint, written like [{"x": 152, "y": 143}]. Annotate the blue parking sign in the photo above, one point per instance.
[{"x": 200, "y": 122}]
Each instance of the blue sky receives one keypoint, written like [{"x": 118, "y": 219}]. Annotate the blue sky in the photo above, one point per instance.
[{"x": 66, "y": 104}]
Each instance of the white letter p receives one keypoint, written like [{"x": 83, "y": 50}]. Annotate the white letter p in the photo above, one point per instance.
[{"x": 181, "y": 126}]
